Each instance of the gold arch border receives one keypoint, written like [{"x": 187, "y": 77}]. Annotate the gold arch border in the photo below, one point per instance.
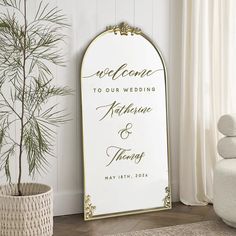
[{"x": 124, "y": 29}]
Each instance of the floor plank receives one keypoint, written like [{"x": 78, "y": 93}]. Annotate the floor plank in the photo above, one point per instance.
[{"x": 74, "y": 225}]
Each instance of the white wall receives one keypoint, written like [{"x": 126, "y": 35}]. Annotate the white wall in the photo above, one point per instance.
[{"x": 159, "y": 19}]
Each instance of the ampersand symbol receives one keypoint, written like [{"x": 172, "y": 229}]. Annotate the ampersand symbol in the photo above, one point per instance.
[{"x": 124, "y": 133}]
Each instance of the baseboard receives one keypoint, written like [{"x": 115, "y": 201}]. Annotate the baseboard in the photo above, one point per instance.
[{"x": 68, "y": 203}]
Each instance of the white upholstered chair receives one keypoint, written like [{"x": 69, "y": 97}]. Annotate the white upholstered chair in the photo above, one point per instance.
[{"x": 224, "y": 198}]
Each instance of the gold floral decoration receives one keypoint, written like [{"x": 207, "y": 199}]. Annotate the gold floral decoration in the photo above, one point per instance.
[
  {"x": 124, "y": 29},
  {"x": 167, "y": 199},
  {"x": 89, "y": 208}
]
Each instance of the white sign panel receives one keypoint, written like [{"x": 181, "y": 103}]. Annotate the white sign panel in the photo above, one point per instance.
[{"x": 125, "y": 141}]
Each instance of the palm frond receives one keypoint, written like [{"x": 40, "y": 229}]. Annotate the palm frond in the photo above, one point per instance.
[
  {"x": 28, "y": 48},
  {"x": 51, "y": 15}
]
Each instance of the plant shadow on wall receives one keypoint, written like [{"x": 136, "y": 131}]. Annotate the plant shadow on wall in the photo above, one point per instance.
[{"x": 29, "y": 48}]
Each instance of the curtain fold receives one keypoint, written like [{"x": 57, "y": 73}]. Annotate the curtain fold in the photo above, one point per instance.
[{"x": 207, "y": 91}]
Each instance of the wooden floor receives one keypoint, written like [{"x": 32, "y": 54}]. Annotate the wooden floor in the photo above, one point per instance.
[{"x": 74, "y": 225}]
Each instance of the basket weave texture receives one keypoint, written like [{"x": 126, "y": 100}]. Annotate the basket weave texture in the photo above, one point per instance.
[{"x": 28, "y": 215}]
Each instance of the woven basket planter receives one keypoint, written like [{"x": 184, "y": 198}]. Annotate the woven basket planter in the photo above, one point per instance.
[{"x": 28, "y": 215}]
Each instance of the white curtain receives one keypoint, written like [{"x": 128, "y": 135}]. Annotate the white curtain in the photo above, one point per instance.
[{"x": 208, "y": 91}]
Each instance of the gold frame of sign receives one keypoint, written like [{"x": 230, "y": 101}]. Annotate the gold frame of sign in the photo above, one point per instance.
[{"x": 89, "y": 208}]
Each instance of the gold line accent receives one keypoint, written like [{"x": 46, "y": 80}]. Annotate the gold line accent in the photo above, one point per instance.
[
  {"x": 126, "y": 213},
  {"x": 124, "y": 29},
  {"x": 88, "y": 208},
  {"x": 167, "y": 199}
]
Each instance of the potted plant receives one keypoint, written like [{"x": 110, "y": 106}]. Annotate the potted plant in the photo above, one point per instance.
[{"x": 29, "y": 46}]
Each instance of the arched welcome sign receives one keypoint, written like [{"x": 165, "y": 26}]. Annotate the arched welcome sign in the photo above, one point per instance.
[{"x": 125, "y": 132}]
